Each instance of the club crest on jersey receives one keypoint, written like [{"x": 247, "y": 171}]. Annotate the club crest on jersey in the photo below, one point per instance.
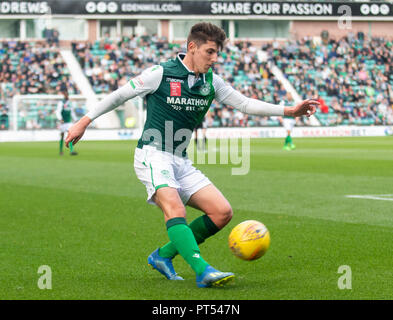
[
  {"x": 175, "y": 89},
  {"x": 205, "y": 89}
]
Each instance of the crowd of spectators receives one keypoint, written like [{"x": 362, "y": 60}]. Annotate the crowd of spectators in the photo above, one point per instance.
[
  {"x": 31, "y": 68},
  {"x": 109, "y": 63},
  {"x": 351, "y": 77}
]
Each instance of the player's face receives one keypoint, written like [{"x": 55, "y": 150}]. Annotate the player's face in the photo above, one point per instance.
[{"x": 205, "y": 56}]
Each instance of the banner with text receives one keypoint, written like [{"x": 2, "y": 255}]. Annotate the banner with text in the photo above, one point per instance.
[
  {"x": 204, "y": 8},
  {"x": 211, "y": 133}
]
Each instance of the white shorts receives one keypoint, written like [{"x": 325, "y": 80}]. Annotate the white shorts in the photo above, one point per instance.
[
  {"x": 65, "y": 126},
  {"x": 289, "y": 124},
  {"x": 157, "y": 169}
]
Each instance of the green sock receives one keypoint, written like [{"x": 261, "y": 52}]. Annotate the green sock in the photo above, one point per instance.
[
  {"x": 202, "y": 228},
  {"x": 71, "y": 147},
  {"x": 288, "y": 140},
  {"x": 184, "y": 241},
  {"x": 61, "y": 145}
]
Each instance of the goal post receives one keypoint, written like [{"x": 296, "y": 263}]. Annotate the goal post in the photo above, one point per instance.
[{"x": 38, "y": 111}]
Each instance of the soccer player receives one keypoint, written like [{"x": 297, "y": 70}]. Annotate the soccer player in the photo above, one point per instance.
[
  {"x": 65, "y": 115},
  {"x": 288, "y": 124},
  {"x": 178, "y": 94}
]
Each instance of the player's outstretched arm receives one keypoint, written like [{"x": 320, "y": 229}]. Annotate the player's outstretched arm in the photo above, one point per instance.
[
  {"x": 228, "y": 95},
  {"x": 148, "y": 81},
  {"x": 76, "y": 132},
  {"x": 262, "y": 108}
]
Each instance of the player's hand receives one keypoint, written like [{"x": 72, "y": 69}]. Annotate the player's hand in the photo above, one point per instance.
[
  {"x": 305, "y": 108},
  {"x": 76, "y": 132}
]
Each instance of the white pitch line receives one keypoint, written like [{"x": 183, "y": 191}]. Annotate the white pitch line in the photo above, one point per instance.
[{"x": 372, "y": 197}]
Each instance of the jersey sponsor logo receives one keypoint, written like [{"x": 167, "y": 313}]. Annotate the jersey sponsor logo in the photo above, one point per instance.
[
  {"x": 175, "y": 88},
  {"x": 187, "y": 101},
  {"x": 168, "y": 79}
]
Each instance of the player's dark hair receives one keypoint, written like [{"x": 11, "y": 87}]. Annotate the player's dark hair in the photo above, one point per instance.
[{"x": 202, "y": 32}]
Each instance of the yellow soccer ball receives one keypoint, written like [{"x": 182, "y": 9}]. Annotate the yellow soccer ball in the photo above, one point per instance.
[{"x": 249, "y": 240}]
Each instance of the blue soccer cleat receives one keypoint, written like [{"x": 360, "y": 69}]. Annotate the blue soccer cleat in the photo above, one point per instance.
[
  {"x": 163, "y": 265},
  {"x": 213, "y": 278}
]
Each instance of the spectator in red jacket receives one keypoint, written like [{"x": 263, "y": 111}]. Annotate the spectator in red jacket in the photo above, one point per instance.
[{"x": 323, "y": 107}]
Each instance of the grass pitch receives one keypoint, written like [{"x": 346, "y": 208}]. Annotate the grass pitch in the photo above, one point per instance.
[{"x": 86, "y": 218}]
